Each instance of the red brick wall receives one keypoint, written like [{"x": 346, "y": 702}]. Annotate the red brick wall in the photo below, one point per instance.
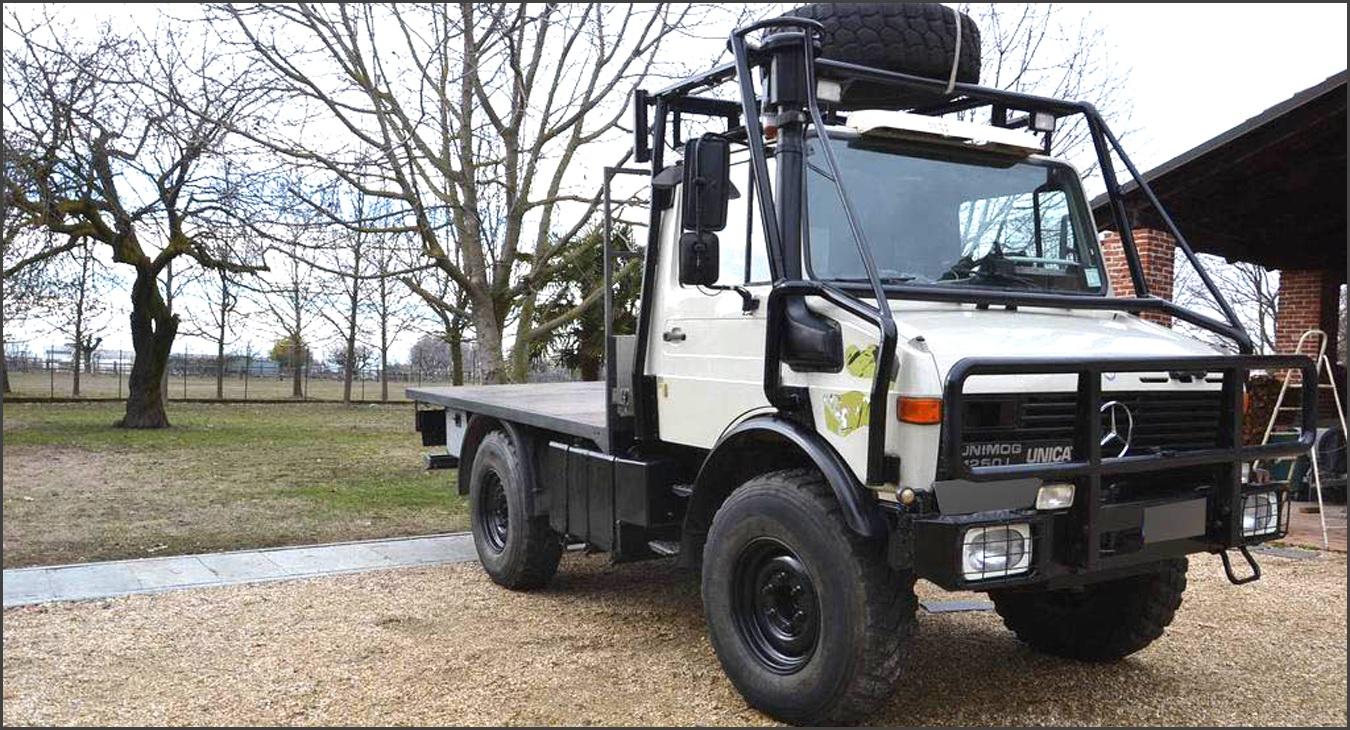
[
  {"x": 1156, "y": 256},
  {"x": 1308, "y": 299}
]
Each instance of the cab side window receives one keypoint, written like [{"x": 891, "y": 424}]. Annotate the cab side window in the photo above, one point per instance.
[
  {"x": 743, "y": 256},
  {"x": 742, "y": 251}
]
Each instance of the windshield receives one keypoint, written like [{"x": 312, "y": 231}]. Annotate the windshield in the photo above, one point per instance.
[{"x": 951, "y": 217}]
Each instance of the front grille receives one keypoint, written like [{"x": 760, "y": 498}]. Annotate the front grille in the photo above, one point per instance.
[{"x": 1163, "y": 420}]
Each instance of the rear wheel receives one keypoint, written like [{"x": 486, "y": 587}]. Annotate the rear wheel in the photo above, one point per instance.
[
  {"x": 1101, "y": 622},
  {"x": 517, "y": 550},
  {"x": 809, "y": 622}
]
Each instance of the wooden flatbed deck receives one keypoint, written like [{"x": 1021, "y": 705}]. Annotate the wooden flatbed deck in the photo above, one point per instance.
[{"x": 575, "y": 408}]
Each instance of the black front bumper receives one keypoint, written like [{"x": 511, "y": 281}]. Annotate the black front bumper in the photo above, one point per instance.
[{"x": 1096, "y": 539}]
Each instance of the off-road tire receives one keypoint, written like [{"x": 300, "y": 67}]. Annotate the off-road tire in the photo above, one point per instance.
[
  {"x": 1102, "y": 622},
  {"x": 527, "y": 554},
  {"x": 912, "y": 38},
  {"x": 866, "y": 609}
]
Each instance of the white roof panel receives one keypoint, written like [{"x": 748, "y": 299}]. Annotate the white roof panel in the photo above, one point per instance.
[{"x": 919, "y": 126}]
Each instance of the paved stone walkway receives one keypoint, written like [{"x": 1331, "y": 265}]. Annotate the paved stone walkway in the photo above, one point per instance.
[
  {"x": 23, "y": 586},
  {"x": 87, "y": 581}
]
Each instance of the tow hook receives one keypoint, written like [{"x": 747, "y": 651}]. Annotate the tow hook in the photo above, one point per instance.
[{"x": 1228, "y": 567}]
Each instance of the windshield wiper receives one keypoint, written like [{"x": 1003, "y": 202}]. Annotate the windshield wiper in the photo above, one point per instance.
[
  {"x": 885, "y": 279},
  {"x": 993, "y": 267},
  {"x": 991, "y": 277}
]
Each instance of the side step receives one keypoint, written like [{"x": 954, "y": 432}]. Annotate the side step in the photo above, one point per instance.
[
  {"x": 664, "y": 548},
  {"x": 440, "y": 461},
  {"x": 682, "y": 490}
]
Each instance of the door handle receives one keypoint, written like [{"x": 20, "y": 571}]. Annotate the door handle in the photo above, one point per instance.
[{"x": 673, "y": 335}]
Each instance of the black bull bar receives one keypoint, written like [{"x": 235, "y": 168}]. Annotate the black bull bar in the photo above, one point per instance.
[{"x": 1087, "y": 473}]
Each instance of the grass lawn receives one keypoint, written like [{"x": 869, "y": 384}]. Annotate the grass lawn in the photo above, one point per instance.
[{"x": 223, "y": 477}]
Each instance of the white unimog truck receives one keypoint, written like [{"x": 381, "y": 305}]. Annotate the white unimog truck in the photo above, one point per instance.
[{"x": 876, "y": 342}]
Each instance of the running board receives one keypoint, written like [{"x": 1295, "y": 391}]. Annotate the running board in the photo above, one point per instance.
[
  {"x": 664, "y": 548},
  {"x": 440, "y": 461}
]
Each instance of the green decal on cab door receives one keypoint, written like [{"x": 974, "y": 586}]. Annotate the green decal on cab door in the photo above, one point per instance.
[
  {"x": 845, "y": 412},
  {"x": 861, "y": 363}
]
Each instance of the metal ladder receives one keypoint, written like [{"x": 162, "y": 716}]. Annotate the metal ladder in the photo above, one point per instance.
[{"x": 1324, "y": 371}]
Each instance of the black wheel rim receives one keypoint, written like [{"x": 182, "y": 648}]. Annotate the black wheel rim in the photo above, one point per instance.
[
  {"x": 774, "y": 606},
  {"x": 493, "y": 516}
]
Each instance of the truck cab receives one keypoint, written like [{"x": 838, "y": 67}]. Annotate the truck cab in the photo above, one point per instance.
[{"x": 876, "y": 345}]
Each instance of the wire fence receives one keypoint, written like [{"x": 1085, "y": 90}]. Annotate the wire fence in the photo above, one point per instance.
[{"x": 103, "y": 375}]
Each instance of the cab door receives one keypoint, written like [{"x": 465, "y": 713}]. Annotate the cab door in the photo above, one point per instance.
[{"x": 707, "y": 349}]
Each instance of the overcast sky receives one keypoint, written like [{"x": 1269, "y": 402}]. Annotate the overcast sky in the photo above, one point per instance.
[{"x": 1194, "y": 72}]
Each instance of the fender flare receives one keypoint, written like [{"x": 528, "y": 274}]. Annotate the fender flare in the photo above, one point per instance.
[
  {"x": 859, "y": 507},
  {"x": 479, "y": 426}
]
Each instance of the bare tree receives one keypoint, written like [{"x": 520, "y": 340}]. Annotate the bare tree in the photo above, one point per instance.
[
  {"x": 112, "y": 154},
  {"x": 388, "y": 305},
  {"x": 466, "y": 108},
  {"x": 215, "y": 319},
  {"x": 345, "y": 300},
  {"x": 448, "y": 307},
  {"x": 26, "y": 258},
  {"x": 292, "y": 302},
  {"x": 1050, "y": 50},
  {"x": 81, "y": 286},
  {"x": 27, "y": 288},
  {"x": 430, "y": 355},
  {"x": 1252, "y": 290}
]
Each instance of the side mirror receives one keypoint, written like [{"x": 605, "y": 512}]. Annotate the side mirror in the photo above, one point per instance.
[
  {"x": 707, "y": 183},
  {"x": 699, "y": 259},
  {"x": 642, "y": 131}
]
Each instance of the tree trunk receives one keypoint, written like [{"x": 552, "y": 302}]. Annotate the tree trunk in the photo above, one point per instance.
[
  {"x": 347, "y": 368},
  {"x": 220, "y": 366},
  {"x": 589, "y": 367},
  {"x": 384, "y": 373},
  {"x": 384, "y": 329},
  {"x": 490, "y": 341},
  {"x": 297, "y": 388},
  {"x": 220, "y": 340},
  {"x": 153, "y": 328},
  {"x": 520, "y": 353},
  {"x": 79, "y": 325},
  {"x": 75, "y": 367},
  {"x": 455, "y": 338},
  {"x": 4, "y": 367},
  {"x": 168, "y": 306}
]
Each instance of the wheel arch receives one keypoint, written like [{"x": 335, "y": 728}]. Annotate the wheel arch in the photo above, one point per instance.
[
  {"x": 479, "y": 427},
  {"x": 762, "y": 443}
]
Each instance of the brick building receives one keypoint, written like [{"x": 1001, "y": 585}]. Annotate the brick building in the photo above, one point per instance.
[{"x": 1270, "y": 191}]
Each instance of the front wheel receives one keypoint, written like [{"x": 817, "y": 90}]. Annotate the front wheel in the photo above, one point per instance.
[
  {"x": 1101, "y": 622},
  {"x": 517, "y": 550},
  {"x": 809, "y": 622}
]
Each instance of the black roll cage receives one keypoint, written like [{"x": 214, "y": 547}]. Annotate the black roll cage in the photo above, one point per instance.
[{"x": 786, "y": 56}]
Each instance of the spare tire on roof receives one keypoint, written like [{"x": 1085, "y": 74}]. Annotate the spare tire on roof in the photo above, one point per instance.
[{"x": 912, "y": 38}]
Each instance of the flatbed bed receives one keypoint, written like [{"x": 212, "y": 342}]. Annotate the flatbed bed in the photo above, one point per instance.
[{"x": 572, "y": 408}]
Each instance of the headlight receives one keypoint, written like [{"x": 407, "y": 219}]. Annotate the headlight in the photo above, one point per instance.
[
  {"x": 990, "y": 552},
  {"x": 1260, "y": 514},
  {"x": 1054, "y": 496}
]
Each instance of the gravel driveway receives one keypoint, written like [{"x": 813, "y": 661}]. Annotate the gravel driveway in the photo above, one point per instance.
[{"x": 626, "y": 645}]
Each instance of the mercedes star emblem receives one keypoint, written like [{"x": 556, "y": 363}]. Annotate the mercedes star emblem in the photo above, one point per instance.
[{"x": 1119, "y": 426}]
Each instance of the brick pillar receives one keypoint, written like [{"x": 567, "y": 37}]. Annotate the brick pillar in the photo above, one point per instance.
[
  {"x": 1157, "y": 254},
  {"x": 1307, "y": 300}
]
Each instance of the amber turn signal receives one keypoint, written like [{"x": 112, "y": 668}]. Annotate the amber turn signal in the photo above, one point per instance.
[{"x": 923, "y": 411}]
